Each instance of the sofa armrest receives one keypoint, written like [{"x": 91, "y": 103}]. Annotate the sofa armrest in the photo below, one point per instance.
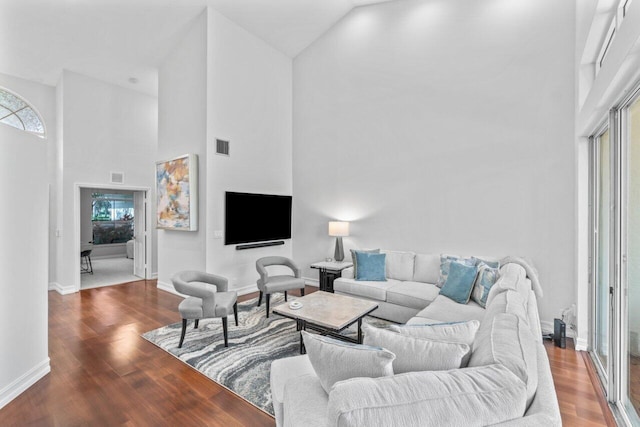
[
  {"x": 347, "y": 273},
  {"x": 473, "y": 396}
]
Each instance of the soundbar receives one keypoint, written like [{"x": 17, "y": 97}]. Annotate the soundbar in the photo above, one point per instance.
[{"x": 259, "y": 245}]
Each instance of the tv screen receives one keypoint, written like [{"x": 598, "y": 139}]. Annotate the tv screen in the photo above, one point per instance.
[{"x": 256, "y": 217}]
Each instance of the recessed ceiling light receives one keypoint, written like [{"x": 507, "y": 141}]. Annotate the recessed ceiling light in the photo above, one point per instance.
[{"x": 133, "y": 80}]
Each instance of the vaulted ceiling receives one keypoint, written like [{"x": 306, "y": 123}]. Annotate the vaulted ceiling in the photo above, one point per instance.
[{"x": 116, "y": 40}]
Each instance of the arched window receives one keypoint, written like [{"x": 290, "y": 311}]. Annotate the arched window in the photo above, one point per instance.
[{"x": 14, "y": 111}]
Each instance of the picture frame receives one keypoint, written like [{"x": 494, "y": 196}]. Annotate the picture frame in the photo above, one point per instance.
[{"x": 177, "y": 193}]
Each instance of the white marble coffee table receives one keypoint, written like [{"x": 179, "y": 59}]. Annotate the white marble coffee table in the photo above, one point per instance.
[{"x": 328, "y": 314}]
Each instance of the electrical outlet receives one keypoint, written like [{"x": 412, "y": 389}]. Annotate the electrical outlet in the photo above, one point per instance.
[{"x": 217, "y": 234}]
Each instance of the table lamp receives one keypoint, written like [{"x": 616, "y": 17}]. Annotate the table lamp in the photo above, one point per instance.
[{"x": 338, "y": 229}]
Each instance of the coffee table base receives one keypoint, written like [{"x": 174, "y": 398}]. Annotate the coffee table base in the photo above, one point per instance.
[{"x": 303, "y": 325}]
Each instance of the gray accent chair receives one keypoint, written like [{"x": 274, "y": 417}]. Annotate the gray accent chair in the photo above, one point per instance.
[
  {"x": 202, "y": 301},
  {"x": 281, "y": 283}
]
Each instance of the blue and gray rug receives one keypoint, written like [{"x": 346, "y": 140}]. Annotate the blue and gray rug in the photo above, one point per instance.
[{"x": 245, "y": 365}]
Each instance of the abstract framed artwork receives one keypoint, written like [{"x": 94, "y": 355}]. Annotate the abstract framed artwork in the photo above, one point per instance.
[{"x": 177, "y": 193}]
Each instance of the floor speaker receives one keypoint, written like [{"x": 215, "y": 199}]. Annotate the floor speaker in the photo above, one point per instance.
[{"x": 560, "y": 333}]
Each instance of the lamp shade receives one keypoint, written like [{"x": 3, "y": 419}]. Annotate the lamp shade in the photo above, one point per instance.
[{"x": 338, "y": 228}]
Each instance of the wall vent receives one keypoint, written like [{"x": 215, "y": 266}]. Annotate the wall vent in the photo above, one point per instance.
[
  {"x": 222, "y": 147},
  {"x": 117, "y": 177}
]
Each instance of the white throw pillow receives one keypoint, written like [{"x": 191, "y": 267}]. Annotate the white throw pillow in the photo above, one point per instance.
[
  {"x": 334, "y": 360},
  {"x": 416, "y": 354}
]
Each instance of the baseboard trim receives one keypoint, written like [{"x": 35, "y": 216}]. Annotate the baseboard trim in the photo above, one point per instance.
[
  {"x": 25, "y": 381},
  {"x": 62, "y": 290},
  {"x": 154, "y": 275},
  {"x": 169, "y": 288},
  {"x": 112, "y": 256},
  {"x": 246, "y": 289},
  {"x": 241, "y": 290},
  {"x": 581, "y": 344},
  {"x": 547, "y": 328},
  {"x": 311, "y": 282}
]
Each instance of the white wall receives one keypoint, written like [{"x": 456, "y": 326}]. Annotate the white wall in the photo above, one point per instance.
[
  {"x": 441, "y": 126},
  {"x": 249, "y": 104},
  {"x": 182, "y": 128},
  {"x": 24, "y": 248},
  {"x": 106, "y": 128}
]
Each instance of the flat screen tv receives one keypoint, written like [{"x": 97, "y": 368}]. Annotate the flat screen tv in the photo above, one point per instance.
[{"x": 253, "y": 217}]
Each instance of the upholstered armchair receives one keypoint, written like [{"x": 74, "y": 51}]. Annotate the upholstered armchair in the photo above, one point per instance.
[
  {"x": 202, "y": 301},
  {"x": 269, "y": 284}
]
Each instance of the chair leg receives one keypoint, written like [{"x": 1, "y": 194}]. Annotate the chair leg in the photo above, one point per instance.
[
  {"x": 267, "y": 298},
  {"x": 285, "y": 296},
  {"x": 224, "y": 331},
  {"x": 184, "y": 330},
  {"x": 260, "y": 299},
  {"x": 302, "y": 292},
  {"x": 235, "y": 312},
  {"x": 196, "y": 324}
]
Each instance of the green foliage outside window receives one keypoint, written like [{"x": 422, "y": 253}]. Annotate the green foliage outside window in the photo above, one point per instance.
[{"x": 112, "y": 218}]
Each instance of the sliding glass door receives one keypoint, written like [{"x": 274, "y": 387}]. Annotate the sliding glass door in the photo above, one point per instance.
[
  {"x": 615, "y": 219},
  {"x": 602, "y": 251},
  {"x": 630, "y": 139}
]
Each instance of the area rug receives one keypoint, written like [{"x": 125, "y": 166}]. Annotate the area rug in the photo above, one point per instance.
[{"x": 245, "y": 365}]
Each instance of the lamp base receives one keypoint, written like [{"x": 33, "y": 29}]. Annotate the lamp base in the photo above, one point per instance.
[{"x": 338, "y": 254}]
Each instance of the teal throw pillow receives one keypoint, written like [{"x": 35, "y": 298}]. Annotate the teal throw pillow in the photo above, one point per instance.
[
  {"x": 459, "y": 282},
  {"x": 487, "y": 276},
  {"x": 445, "y": 262},
  {"x": 355, "y": 260},
  {"x": 371, "y": 267}
]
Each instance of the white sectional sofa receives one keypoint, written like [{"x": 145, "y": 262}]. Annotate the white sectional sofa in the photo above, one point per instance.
[{"x": 507, "y": 354}]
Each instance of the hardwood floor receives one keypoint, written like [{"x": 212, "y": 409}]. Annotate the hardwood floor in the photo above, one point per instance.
[
  {"x": 104, "y": 373},
  {"x": 581, "y": 403}
]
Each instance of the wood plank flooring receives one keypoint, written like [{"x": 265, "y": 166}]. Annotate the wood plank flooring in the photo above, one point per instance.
[{"x": 104, "y": 373}]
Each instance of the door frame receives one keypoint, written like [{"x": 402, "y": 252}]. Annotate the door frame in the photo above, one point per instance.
[{"x": 77, "y": 224}]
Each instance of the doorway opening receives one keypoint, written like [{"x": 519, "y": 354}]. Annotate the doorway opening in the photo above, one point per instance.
[{"x": 112, "y": 236}]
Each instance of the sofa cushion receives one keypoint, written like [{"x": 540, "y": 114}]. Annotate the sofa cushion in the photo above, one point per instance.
[
  {"x": 373, "y": 290},
  {"x": 426, "y": 268},
  {"x": 371, "y": 267},
  {"x": 512, "y": 345},
  {"x": 459, "y": 283},
  {"x": 534, "y": 316},
  {"x": 462, "y": 397},
  {"x": 334, "y": 360},
  {"x": 458, "y": 332},
  {"x": 507, "y": 302},
  {"x": 305, "y": 402},
  {"x": 412, "y": 294},
  {"x": 415, "y": 354},
  {"x": 445, "y": 310},
  {"x": 282, "y": 370},
  {"x": 399, "y": 264}
]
